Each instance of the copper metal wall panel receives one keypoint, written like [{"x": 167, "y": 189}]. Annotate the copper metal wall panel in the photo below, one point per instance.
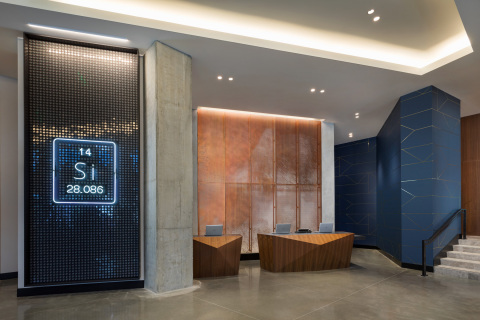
[
  {"x": 237, "y": 212},
  {"x": 307, "y": 152},
  {"x": 261, "y": 145},
  {"x": 211, "y": 146},
  {"x": 237, "y": 148},
  {"x": 262, "y": 212},
  {"x": 308, "y": 207},
  {"x": 286, "y": 151},
  {"x": 265, "y": 170},
  {"x": 211, "y": 205},
  {"x": 286, "y": 205}
]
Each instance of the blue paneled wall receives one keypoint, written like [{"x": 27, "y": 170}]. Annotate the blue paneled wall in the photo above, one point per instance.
[
  {"x": 389, "y": 222},
  {"x": 418, "y": 174},
  {"x": 430, "y": 175},
  {"x": 356, "y": 189}
]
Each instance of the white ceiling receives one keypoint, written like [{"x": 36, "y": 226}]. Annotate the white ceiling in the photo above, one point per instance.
[{"x": 279, "y": 81}]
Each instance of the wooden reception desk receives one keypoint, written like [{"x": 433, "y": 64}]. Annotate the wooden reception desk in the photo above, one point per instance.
[
  {"x": 305, "y": 251},
  {"x": 216, "y": 256}
]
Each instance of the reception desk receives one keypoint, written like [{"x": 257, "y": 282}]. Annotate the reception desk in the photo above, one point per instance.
[
  {"x": 305, "y": 251},
  {"x": 216, "y": 256}
]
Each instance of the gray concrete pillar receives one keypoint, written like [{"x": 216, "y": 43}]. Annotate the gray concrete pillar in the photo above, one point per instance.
[
  {"x": 328, "y": 172},
  {"x": 168, "y": 169}
]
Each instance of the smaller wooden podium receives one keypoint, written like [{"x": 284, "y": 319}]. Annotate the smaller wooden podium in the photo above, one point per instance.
[{"x": 216, "y": 256}]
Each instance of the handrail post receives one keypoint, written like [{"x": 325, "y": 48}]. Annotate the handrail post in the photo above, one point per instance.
[
  {"x": 424, "y": 260},
  {"x": 464, "y": 229}
]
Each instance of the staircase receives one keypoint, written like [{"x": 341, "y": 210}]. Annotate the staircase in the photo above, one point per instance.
[{"x": 463, "y": 261}]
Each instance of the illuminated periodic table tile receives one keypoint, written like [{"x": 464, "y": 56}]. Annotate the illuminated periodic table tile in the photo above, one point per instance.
[{"x": 84, "y": 171}]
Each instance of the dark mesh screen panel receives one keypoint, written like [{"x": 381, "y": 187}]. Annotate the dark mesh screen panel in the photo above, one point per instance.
[{"x": 81, "y": 163}]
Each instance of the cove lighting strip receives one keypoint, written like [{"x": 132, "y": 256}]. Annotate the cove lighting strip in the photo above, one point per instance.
[
  {"x": 77, "y": 33},
  {"x": 257, "y": 113}
]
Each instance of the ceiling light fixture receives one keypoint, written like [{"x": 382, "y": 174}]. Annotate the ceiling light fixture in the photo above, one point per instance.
[
  {"x": 77, "y": 33},
  {"x": 322, "y": 91},
  {"x": 371, "y": 11},
  {"x": 257, "y": 113},
  {"x": 312, "y": 90},
  {"x": 376, "y": 19},
  {"x": 219, "y": 77},
  {"x": 230, "y": 79}
]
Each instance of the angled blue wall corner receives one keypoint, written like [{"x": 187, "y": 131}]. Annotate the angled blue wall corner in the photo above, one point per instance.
[
  {"x": 418, "y": 174},
  {"x": 356, "y": 189},
  {"x": 389, "y": 222}
]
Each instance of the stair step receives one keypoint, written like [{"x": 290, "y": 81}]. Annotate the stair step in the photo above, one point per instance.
[
  {"x": 463, "y": 255},
  {"x": 469, "y": 242},
  {"x": 462, "y": 248},
  {"x": 459, "y": 263},
  {"x": 457, "y": 272}
]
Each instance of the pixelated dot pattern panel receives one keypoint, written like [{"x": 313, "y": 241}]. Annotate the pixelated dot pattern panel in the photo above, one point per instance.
[{"x": 84, "y": 93}]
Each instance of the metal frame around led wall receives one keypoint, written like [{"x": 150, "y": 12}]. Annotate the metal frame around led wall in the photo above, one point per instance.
[{"x": 24, "y": 223}]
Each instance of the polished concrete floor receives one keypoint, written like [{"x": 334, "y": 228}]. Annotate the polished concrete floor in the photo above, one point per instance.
[{"x": 373, "y": 288}]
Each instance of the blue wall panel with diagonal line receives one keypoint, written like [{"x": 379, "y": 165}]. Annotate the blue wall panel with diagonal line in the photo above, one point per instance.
[{"x": 356, "y": 189}]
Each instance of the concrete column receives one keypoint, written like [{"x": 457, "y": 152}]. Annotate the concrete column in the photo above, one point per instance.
[
  {"x": 328, "y": 173},
  {"x": 168, "y": 169}
]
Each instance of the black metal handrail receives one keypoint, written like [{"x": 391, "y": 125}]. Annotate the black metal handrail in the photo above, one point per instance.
[{"x": 447, "y": 223}]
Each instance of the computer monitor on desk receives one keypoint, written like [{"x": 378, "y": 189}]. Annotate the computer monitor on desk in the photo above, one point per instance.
[
  {"x": 282, "y": 228},
  {"x": 214, "y": 230},
  {"x": 325, "y": 227}
]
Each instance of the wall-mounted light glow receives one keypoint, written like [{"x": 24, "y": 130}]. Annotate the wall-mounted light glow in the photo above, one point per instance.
[
  {"x": 371, "y": 11},
  {"x": 71, "y": 53},
  {"x": 230, "y": 79},
  {"x": 356, "y": 117},
  {"x": 77, "y": 33},
  {"x": 322, "y": 91},
  {"x": 219, "y": 77},
  {"x": 257, "y": 113},
  {"x": 350, "y": 135},
  {"x": 312, "y": 90},
  {"x": 376, "y": 18}
]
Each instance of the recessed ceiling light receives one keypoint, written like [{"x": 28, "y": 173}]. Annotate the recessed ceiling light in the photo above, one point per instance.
[
  {"x": 322, "y": 91},
  {"x": 74, "y": 32},
  {"x": 230, "y": 79},
  {"x": 376, "y": 18},
  {"x": 219, "y": 77},
  {"x": 312, "y": 90},
  {"x": 350, "y": 135},
  {"x": 371, "y": 11}
]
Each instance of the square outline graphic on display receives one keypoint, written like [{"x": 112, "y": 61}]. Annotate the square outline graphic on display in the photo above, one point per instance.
[{"x": 114, "y": 172}]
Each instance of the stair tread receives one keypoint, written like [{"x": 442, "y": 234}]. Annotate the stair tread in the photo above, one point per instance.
[
  {"x": 466, "y": 253},
  {"x": 457, "y": 268},
  {"x": 461, "y": 260},
  {"x": 466, "y": 245}
]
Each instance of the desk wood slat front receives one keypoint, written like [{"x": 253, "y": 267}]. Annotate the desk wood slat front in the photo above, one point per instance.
[
  {"x": 216, "y": 256},
  {"x": 305, "y": 252}
]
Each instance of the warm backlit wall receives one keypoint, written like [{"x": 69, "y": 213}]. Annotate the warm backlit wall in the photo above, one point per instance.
[{"x": 257, "y": 170}]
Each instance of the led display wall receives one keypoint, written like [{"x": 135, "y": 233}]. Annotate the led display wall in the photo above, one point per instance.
[
  {"x": 81, "y": 163},
  {"x": 256, "y": 170}
]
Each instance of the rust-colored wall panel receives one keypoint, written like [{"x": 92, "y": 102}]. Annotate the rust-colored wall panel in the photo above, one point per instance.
[
  {"x": 261, "y": 144},
  {"x": 307, "y": 152},
  {"x": 257, "y": 170},
  {"x": 286, "y": 151},
  {"x": 262, "y": 212},
  {"x": 211, "y": 205},
  {"x": 308, "y": 207},
  {"x": 470, "y": 138},
  {"x": 211, "y": 146},
  {"x": 237, "y": 148},
  {"x": 237, "y": 212},
  {"x": 286, "y": 205}
]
